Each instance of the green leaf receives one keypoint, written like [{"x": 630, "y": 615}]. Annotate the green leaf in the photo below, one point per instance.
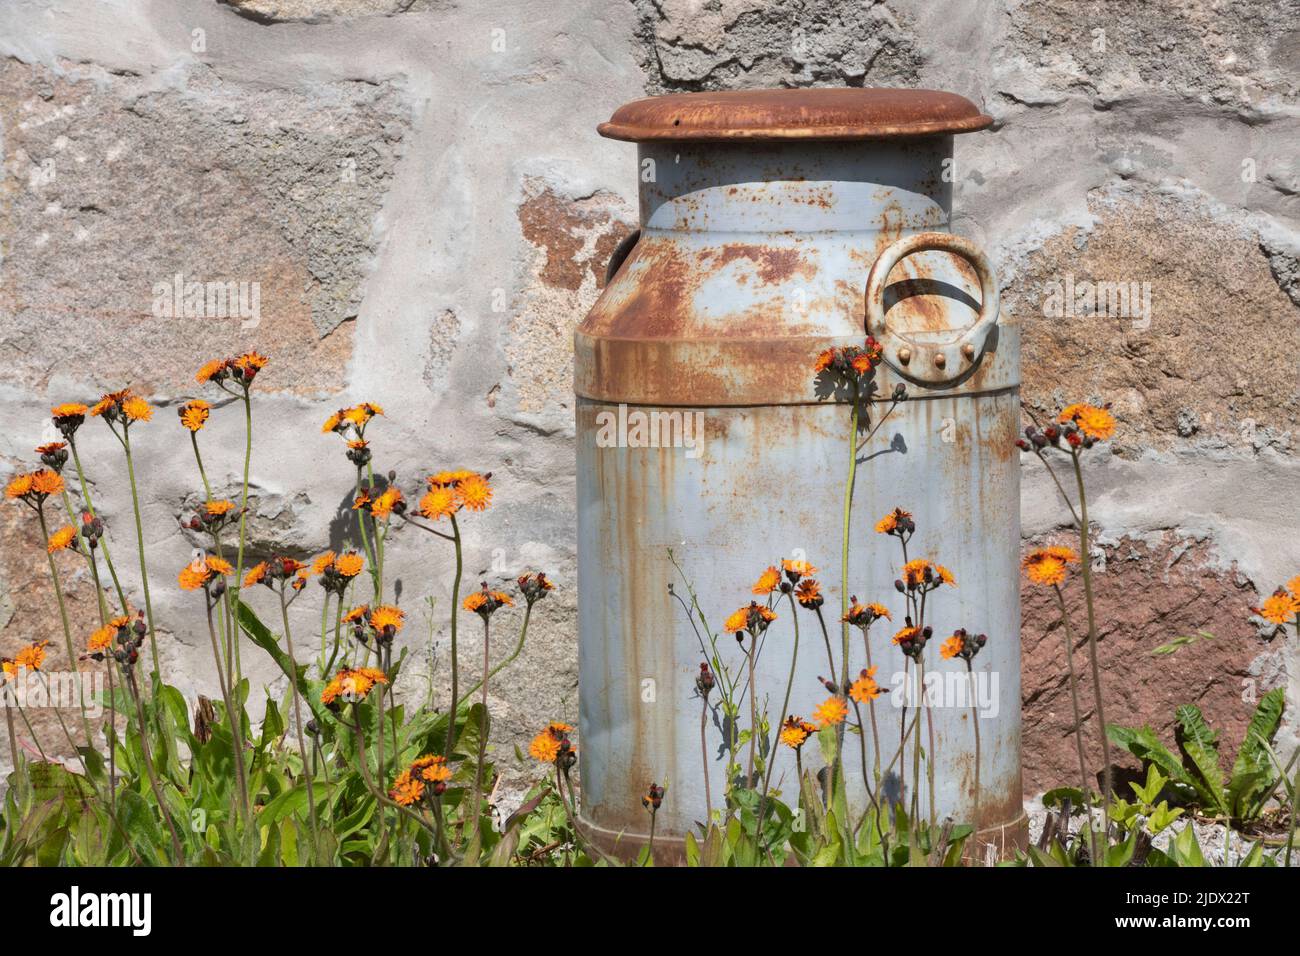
[
  {"x": 1200, "y": 748},
  {"x": 1146, "y": 746},
  {"x": 261, "y": 635},
  {"x": 1254, "y": 772}
]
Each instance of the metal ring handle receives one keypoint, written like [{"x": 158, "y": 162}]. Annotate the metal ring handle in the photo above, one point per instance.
[
  {"x": 932, "y": 363},
  {"x": 620, "y": 253}
]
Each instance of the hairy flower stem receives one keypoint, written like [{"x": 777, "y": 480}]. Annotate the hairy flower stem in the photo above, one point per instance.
[
  {"x": 704, "y": 758},
  {"x": 455, "y": 658},
  {"x": 13, "y": 736},
  {"x": 103, "y": 542},
  {"x": 32, "y": 730},
  {"x": 149, "y": 769},
  {"x": 139, "y": 543},
  {"x": 785, "y": 711},
  {"x": 753, "y": 711},
  {"x": 366, "y": 776},
  {"x": 975, "y": 723},
  {"x": 519, "y": 646},
  {"x": 235, "y": 719},
  {"x": 302, "y": 740},
  {"x": 482, "y": 730},
  {"x": 243, "y": 534},
  {"x": 1085, "y": 562},
  {"x": 1084, "y": 788},
  {"x": 86, "y": 553},
  {"x": 225, "y": 624},
  {"x": 67, "y": 629},
  {"x": 844, "y": 566},
  {"x": 871, "y": 707}
]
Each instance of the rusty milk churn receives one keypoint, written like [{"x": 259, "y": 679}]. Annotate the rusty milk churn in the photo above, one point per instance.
[{"x": 775, "y": 224}]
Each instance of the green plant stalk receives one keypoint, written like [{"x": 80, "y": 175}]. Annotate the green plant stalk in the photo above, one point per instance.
[
  {"x": 455, "y": 660},
  {"x": 67, "y": 629},
  {"x": 86, "y": 553},
  {"x": 302, "y": 740},
  {"x": 13, "y": 737},
  {"x": 975, "y": 723},
  {"x": 482, "y": 729},
  {"x": 139, "y": 543},
  {"x": 650, "y": 847},
  {"x": 236, "y": 721},
  {"x": 233, "y": 601},
  {"x": 149, "y": 769},
  {"x": 502, "y": 665},
  {"x": 32, "y": 730},
  {"x": 58, "y": 714},
  {"x": 1085, "y": 562},
  {"x": 370, "y": 783},
  {"x": 785, "y": 710},
  {"x": 103, "y": 541},
  {"x": 1295, "y": 788},
  {"x": 704, "y": 754},
  {"x": 871, "y": 708},
  {"x": 844, "y": 564},
  {"x": 324, "y": 622},
  {"x": 338, "y": 638},
  {"x": 753, "y": 712},
  {"x": 366, "y": 545},
  {"x": 1084, "y": 788},
  {"x": 226, "y": 625}
]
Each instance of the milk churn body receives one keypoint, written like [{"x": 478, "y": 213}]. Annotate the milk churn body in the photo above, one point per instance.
[{"x": 754, "y": 252}]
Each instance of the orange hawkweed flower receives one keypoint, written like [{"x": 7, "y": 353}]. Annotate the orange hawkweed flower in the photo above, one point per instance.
[
  {"x": 952, "y": 647},
  {"x": 1281, "y": 607},
  {"x": 349, "y": 564},
  {"x": 439, "y": 503},
  {"x": 385, "y": 615},
  {"x": 914, "y": 572},
  {"x": 136, "y": 409},
  {"x": 359, "y": 415},
  {"x": 68, "y": 410},
  {"x": 865, "y": 689},
  {"x": 768, "y": 581},
  {"x": 862, "y": 615},
  {"x": 796, "y": 731},
  {"x": 907, "y": 634},
  {"x": 352, "y": 684},
  {"x": 753, "y": 618},
  {"x": 200, "y": 571},
  {"x": 1096, "y": 423},
  {"x": 20, "y": 486},
  {"x": 194, "y": 414},
  {"x": 218, "y": 508},
  {"x": 446, "y": 478},
  {"x": 794, "y": 570},
  {"x": 1294, "y": 587},
  {"x": 211, "y": 370},
  {"x": 831, "y": 711},
  {"x": 431, "y": 768},
  {"x": 809, "y": 594},
  {"x": 382, "y": 506},
  {"x": 474, "y": 493},
  {"x": 60, "y": 539},
  {"x": 406, "y": 789},
  {"x": 546, "y": 746},
  {"x": 892, "y": 522},
  {"x": 1048, "y": 566},
  {"x": 356, "y": 614},
  {"x": 256, "y": 574},
  {"x": 32, "y": 657},
  {"x": 249, "y": 364},
  {"x": 825, "y": 359},
  {"x": 484, "y": 602}
]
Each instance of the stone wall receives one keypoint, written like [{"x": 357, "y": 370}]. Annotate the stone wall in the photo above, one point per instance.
[{"x": 416, "y": 188}]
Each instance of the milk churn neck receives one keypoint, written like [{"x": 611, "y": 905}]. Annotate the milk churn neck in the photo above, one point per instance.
[{"x": 803, "y": 114}]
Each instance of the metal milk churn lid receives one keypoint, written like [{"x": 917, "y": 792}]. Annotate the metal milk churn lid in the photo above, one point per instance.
[{"x": 775, "y": 224}]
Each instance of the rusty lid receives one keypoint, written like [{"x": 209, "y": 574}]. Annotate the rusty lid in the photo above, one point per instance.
[{"x": 809, "y": 114}]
